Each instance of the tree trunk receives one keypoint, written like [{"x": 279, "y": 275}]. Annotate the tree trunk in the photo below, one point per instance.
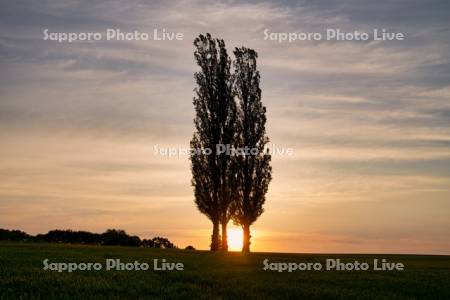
[
  {"x": 224, "y": 236},
  {"x": 215, "y": 236},
  {"x": 247, "y": 236}
]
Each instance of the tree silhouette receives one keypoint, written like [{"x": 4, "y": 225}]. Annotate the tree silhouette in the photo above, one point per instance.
[
  {"x": 111, "y": 237},
  {"x": 119, "y": 237},
  {"x": 160, "y": 242},
  {"x": 215, "y": 120},
  {"x": 253, "y": 168}
]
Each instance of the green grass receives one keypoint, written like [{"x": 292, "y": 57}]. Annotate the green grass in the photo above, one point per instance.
[{"x": 211, "y": 276}]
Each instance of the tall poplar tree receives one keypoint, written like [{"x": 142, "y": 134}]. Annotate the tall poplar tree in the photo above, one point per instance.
[
  {"x": 253, "y": 168},
  {"x": 215, "y": 122}
]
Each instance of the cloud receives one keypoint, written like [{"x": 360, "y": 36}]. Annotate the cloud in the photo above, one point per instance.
[{"x": 368, "y": 120}]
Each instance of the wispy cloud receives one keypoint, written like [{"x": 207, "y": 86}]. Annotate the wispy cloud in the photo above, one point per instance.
[{"x": 369, "y": 121}]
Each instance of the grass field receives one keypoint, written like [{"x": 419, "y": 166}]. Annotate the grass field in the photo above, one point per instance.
[{"x": 212, "y": 276}]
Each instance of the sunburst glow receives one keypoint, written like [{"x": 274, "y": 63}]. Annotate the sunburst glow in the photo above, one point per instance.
[{"x": 235, "y": 239}]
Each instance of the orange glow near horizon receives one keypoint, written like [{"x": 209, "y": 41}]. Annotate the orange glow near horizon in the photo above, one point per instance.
[{"x": 235, "y": 237}]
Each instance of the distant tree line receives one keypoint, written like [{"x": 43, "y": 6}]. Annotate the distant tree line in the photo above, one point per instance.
[{"x": 111, "y": 237}]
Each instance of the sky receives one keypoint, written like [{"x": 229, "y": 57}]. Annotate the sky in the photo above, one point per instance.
[{"x": 369, "y": 122}]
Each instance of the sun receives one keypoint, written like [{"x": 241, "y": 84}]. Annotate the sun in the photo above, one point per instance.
[{"x": 234, "y": 239}]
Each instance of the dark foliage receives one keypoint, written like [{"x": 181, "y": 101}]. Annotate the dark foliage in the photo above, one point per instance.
[
  {"x": 119, "y": 237},
  {"x": 69, "y": 236},
  {"x": 229, "y": 111},
  {"x": 111, "y": 237},
  {"x": 160, "y": 242},
  {"x": 147, "y": 243},
  {"x": 253, "y": 170},
  {"x": 215, "y": 118},
  {"x": 14, "y": 235}
]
